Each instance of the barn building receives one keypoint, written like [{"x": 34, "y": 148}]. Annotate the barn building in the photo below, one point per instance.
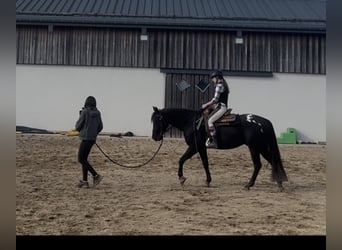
[{"x": 135, "y": 54}]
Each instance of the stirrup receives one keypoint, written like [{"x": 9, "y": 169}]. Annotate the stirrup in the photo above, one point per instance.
[
  {"x": 208, "y": 142},
  {"x": 211, "y": 143}
]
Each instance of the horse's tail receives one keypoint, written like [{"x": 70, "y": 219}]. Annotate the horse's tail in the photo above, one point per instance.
[{"x": 278, "y": 171}]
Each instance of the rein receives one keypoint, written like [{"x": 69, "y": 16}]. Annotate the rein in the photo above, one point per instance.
[
  {"x": 126, "y": 166},
  {"x": 197, "y": 128}
]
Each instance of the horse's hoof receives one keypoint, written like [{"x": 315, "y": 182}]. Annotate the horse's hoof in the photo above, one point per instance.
[
  {"x": 247, "y": 187},
  {"x": 182, "y": 179},
  {"x": 207, "y": 183},
  {"x": 281, "y": 189}
]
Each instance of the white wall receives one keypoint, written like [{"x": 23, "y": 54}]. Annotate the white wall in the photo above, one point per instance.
[
  {"x": 288, "y": 100},
  {"x": 50, "y": 97}
]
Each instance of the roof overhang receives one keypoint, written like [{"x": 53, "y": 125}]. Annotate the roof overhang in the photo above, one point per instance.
[{"x": 292, "y": 26}]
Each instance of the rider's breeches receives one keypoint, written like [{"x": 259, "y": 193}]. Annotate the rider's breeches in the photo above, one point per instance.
[
  {"x": 83, "y": 153},
  {"x": 214, "y": 117}
]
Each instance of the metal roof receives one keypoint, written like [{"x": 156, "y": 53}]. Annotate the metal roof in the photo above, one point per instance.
[{"x": 279, "y": 15}]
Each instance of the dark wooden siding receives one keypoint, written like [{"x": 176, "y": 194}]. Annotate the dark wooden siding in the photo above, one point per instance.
[
  {"x": 276, "y": 52},
  {"x": 190, "y": 98}
]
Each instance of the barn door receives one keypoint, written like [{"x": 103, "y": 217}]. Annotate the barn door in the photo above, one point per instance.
[{"x": 187, "y": 91}]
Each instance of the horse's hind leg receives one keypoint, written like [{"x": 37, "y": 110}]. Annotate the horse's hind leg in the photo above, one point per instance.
[{"x": 257, "y": 166}]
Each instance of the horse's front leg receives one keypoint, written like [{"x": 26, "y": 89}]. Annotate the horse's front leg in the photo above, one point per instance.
[
  {"x": 204, "y": 157},
  {"x": 187, "y": 155}
]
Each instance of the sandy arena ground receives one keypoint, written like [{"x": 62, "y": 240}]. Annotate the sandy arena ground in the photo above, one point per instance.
[{"x": 150, "y": 201}]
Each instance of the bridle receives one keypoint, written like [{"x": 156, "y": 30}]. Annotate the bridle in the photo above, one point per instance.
[{"x": 165, "y": 126}]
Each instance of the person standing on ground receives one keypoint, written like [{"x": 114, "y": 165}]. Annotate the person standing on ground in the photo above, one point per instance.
[{"x": 89, "y": 125}]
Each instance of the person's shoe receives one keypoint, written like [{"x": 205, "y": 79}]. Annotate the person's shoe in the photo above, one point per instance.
[
  {"x": 97, "y": 179},
  {"x": 83, "y": 184},
  {"x": 211, "y": 143}
]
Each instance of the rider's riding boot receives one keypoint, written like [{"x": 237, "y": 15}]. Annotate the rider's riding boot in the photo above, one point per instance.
[{"x": 212, "y": 142}]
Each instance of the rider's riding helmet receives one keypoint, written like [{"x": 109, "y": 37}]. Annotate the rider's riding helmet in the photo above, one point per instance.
[{"x": 217, "y": 73}]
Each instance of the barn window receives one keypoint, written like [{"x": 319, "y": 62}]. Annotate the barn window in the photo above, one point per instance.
[
  {"x": 183, "y": 85},
  {"x": 202, "y": 85}
]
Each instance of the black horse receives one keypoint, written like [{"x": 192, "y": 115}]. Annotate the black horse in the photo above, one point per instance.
[{"x": 252, "y": 130}]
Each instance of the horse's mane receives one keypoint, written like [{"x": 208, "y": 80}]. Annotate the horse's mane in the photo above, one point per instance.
[{"x": 183, "y": 112}]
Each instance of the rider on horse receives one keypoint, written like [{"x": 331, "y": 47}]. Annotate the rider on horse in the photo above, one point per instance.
[{"x": 219, "y": 103}]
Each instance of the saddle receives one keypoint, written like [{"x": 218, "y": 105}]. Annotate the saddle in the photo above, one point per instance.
[{"x": 226, "y": 119}]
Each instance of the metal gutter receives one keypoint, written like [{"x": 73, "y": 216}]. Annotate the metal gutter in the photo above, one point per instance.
[
  {"x": 170, "y": 23},
  {"x": 225, "y": 72}
]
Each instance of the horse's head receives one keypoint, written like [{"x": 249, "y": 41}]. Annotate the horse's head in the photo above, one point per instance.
[{"x": 159, "y": 125}]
